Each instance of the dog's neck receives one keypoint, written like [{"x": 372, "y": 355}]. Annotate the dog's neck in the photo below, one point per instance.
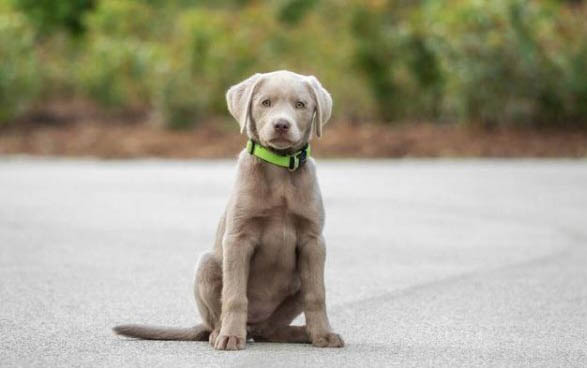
[{"x": 291, "y": 161}]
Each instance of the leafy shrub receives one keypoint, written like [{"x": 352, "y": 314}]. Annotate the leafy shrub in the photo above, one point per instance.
[
  {"x": 19, "y": 78},
  {"x": 48, "y": 15},
  {"x": 116, "y": 72},
  {"x": 127, "y": 19},
  {"x": 203, "y": 55},
  {"x": 293, "y": 11},
  {"x": 496, "y": 68},
  {"x": 499, "y": 62},
  {"x": 394, "y": 51}
]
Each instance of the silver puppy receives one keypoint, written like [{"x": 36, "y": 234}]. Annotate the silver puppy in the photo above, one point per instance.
[{"x": 267, "y": 266}]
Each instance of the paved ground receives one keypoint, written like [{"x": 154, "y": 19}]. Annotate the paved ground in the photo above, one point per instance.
[{"x": 431, "y": 263}]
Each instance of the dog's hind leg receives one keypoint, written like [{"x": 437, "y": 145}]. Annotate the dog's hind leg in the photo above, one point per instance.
[{"x": 208, "y": 291}]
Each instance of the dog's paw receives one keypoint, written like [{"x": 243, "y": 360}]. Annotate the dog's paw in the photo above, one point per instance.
[
  {"x": 212, "y": 337},
  {"x": 328, "y": 340},
  {"x": 229, "y": 342}
]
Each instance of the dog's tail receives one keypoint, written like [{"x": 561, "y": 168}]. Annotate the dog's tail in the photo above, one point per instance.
[{"x": 196, "y": 333}]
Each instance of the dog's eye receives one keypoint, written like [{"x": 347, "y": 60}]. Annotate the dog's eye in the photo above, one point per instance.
[
  {"x": 266, "y": 103},
  {"x": 300, "y": 105}
]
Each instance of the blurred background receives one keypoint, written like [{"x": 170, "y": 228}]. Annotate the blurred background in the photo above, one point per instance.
[{"x": 122, "y": 78}]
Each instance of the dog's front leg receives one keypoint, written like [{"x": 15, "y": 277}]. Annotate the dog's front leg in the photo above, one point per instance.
[
  {"x": 237, "y": 251},
  {"x": 312, "y": 258}
]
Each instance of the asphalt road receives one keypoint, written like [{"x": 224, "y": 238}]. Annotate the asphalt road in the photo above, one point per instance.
[{"x": 430, "y": 263}]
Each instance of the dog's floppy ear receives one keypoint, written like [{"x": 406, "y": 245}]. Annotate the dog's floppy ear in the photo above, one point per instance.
[
  {"x": 238, "y": 99},
  {"x": 323, "y": 104}
]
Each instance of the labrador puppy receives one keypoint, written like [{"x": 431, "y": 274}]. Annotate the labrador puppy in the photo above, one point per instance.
[{"x": 267, "y": 266}]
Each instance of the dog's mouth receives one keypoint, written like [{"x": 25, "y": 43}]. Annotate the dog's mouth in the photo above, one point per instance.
[
  {"x": 281, "y": 143},
  {"x": 286, "y": 148}
]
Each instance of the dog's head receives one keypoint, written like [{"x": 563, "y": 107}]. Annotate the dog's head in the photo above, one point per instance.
[{"x": 279, "y": 109}]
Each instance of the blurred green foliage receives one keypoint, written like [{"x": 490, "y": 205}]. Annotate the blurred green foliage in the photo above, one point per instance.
[
  {"x": 48, "y": 16},
  {"x": 504, "y": 62},
  {"x": 19, "y": 67}
]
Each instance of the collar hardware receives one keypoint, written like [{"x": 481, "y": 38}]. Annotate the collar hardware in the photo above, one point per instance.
[{"x": 291, "y": 162}]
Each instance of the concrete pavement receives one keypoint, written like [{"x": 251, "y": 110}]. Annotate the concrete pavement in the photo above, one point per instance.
[{"x": 436, "y": 263}]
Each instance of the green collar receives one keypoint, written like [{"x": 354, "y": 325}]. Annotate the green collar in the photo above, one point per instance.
[{"x": 292, "y": 162}]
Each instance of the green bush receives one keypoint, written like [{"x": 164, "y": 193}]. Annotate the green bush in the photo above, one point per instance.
[
  {"x": 203, "y": 55},
  {"x": 396, "y": 54},
  {"x": 116, "y": 72},
  {"x": 211, "y": 49},
  {"x": 19, "y": 77},
  {"x": 496, "y": 68},
  {"x": 127, "y": 19},
  {"x": 49, "y": 16},
  {"x": 504, "y": 62},
  {"x": 569, "y": 56},
  {"x": 499, "y": 62}
]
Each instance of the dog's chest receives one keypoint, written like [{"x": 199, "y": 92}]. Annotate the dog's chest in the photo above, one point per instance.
[
  {"x": 280, "y": 225},
  {"x": 278, "y": 210},
  {"x": 286, "y": 195},
  {"x": 273, "y": 272}
]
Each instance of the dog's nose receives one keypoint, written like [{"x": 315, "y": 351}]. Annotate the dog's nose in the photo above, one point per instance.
[{"x": 281, "y": 126}]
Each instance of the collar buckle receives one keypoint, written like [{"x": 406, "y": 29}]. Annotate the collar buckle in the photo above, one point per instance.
[
  {"x": 251, "y": 146},
  {"x": 298, "y": 160},
  {"x": 294, "y": 163}
]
